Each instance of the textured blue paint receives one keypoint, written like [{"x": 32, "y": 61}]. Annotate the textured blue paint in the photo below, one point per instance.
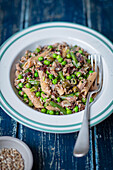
[
  {"x": 55, "y": 10},
  {"x": 10, "y": 12},
  {"x": 8, "y": 126},
  {"x": 100, "y": 15}
]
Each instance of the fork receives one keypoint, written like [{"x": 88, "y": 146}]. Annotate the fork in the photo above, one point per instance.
[{"x": 82, "y": 143}]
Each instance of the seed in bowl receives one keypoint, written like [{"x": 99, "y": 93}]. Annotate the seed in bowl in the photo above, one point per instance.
[
  {"x": 55, "y": 79},
  {"x": 11, "y": 159}
]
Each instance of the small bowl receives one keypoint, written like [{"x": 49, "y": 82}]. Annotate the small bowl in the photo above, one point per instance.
[{"x": 21, "y": 147}]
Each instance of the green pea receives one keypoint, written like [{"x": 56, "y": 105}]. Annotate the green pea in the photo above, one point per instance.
[
  {"x": 68, "y": 56},
  {"x": 43, "y": 110},
  {"x": 91, "y": 71},
  {"x": 40, "y": 58},
  {"x": 28, "y": 85},
  {"x": 47, "y": 72},
  {"x": 69, "y": 111},
  {"x": 36, "y": 74},
  {"x": 46, "y": 62},
  {"x": 84, "y": 100},
  {"x": 64, "y": 63},
  {"x": 88, "y": 61},
  {"x": 54, "y": 81},
  {"x": 80, "y": 51},
  {"x": 68, "y": 77},
  {"x": 58, "y": 56},
  {"x": 91, "y": 100},
  {"x": 20, "y": 76},
  {"x": 54, "y": 55},
  {"x": 57, "y": 113},
  {"x": 38, "y": 94},
  {"x": 78, "y": 74},
  {"x": 51, "y": 76},
  {"x": 41, "y": 98},
  {"x": 45, "y": 99},
  {"x": 58, "y": 99},
  {"x": 30, "y": 104},
  {"x": 76, "y": 109},
  {"x": 25, "y": 95},
  {"x": 60, "y": 59},
  {"x": 50, "y": 47},
  {"x": 20, "y": 92},
  {"x": 20, "y": 85},
  {"x": 37, "y": 50},
  {"x": 51, "y": 112},
  {"x": 73, "y": 76}
]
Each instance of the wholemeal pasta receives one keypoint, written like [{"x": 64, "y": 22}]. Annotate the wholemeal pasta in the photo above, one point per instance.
[{"x": 55, "y": 79}]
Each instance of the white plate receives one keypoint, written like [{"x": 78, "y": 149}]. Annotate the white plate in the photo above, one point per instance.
[{"x": 49, "y": 33}]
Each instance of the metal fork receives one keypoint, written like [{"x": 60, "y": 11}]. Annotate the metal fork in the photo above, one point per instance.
[{"x": 82, "y": 143}]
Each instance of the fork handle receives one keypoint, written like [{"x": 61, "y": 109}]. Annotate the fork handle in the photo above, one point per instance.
[{"x": 82, "y": 143}]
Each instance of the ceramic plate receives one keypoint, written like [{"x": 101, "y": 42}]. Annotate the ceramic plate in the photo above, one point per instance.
[{"x": 49, "y": 33}]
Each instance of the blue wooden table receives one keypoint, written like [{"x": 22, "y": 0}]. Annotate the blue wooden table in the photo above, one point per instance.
[{"x": 55, "y": 151}]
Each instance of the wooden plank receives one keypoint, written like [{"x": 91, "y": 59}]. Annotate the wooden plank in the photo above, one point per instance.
[
  {"x": 10, "y": 22},
  {"x": 8, "y": 126},
  {"x": 99, "y": 15},
  {"x": 54, "y": 10},
  {"x": 10, "y": 18},
  {"x": 104, "y": 144},
  {"x": 54, "y": 151}
]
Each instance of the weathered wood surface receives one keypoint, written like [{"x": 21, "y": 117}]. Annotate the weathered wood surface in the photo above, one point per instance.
[
  {"x": 99, "y": 15},
  {"x": 54, "y": 151},
  {"x": 10, "y": 23}
]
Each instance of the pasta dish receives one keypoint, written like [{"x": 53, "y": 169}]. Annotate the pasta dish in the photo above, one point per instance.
[{"x": 55, "y": 79}]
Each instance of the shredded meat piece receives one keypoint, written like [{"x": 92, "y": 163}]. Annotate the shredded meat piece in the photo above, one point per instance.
[
  {"x": 44, "y": 83},
  {"x": 68, "y": 61},
  {"x": 52, "y": 108},
  {"x": 17, "y": 73},
  {"x": 67, "y": 68},
  {"x": 81, "y": 107},
  {"x": 18, "y": 67},
  {"x": 82, "y": 84},
  {"x": 82, "y": 71},
  {"x": 59, "y": 89},
  {"x": 16, "y": 81},
  {"x": 44, "y": 95},
  {"x": 64, "y": 52},
  {"x": 52, "y": 71},
  {"x": 65, "y": 103},
  {"x": 71, "y": 99},
  {"x": 31, "y": 95}
]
